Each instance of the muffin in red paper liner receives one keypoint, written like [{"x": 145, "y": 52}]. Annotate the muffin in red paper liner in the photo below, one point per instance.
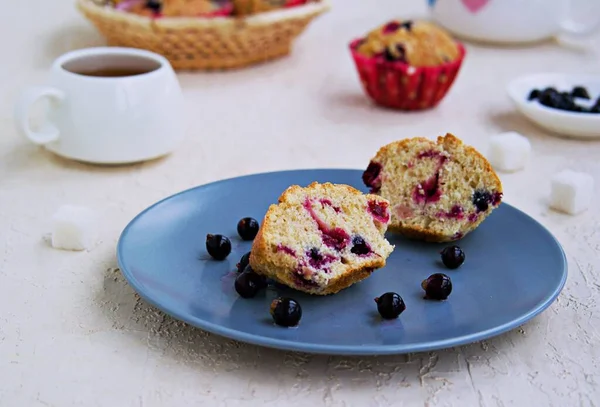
[{"x": 407, "y": 65}]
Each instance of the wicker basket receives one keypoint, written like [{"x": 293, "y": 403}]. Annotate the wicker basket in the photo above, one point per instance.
[{"x": 206, "y": 43}]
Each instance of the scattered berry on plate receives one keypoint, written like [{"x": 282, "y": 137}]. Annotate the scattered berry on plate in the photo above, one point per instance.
[
  {"x": 453, "y": 257},
  {"x": 218, "y": 246},
  {"x": 248, "y": 283},
  {"x": 248, "y": 228},
  {"x": 244, "y": 261},
  {"x": 390, "y": 305},
  {"x": 580, "y": 92},
  {"x": 437, "y": 286},
  {"x": 286, "y": 311}
]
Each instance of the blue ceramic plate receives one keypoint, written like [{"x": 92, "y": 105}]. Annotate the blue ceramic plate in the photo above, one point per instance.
[{"x": 514, "y": 269}]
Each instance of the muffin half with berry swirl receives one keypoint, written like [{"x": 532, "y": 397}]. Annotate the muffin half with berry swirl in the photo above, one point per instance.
[
  {"x": 439, "y": 191},
  {"x": 322, "y": 238}
]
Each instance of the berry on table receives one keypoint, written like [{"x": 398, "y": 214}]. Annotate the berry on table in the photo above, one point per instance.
[
  {"x": 453, "y": 257},
  {"x": 248, "y": 283},
  {"x": 244, "y": 261},
  {"x": 218, "y": 246},
  {"x": 286, "y": 311},
  {"x": 437, "y": 286},
  {"x": 247, "y": 228},
  {"x": 390, "y": 305}
]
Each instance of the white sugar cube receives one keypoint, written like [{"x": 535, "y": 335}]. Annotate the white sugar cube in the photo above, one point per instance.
[
  {"x": 509, "y": 151},
  {"x": 72, "y": 228},
  {"x": 571, "y": 191}
]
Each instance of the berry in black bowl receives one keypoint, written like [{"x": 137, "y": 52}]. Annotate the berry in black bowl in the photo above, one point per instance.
[
  {"x": 244, "y": 261},
  {"x": 248, "y": 283},
  {"x": 390, "y": 305},
  {"x": 286, "y": 311},
  {"x": 248, "y": 228},
  {"x": 453, "y": 257},
  {"x": 218, "y": 246},
  {"x": 437, "y": 286}
]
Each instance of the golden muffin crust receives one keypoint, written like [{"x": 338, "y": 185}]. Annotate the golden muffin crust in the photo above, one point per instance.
[{"x": 417, "y": 43}]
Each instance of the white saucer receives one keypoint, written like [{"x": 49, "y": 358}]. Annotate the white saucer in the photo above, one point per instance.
[{"x": 570, "y": 124}]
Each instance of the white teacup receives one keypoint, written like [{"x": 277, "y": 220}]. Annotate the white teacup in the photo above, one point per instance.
[
  {"x": 109, "y": 105},
  {"x": 513, "y": 21}
]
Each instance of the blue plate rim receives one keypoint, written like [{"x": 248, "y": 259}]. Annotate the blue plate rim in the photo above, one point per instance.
[{"x": 333, "y": 349}]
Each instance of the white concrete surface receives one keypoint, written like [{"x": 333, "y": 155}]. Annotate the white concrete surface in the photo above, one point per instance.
[{"x": 72, "y": 333}]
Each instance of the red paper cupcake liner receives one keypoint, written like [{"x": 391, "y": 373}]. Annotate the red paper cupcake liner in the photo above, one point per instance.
[{"x": 401, "y": 86}]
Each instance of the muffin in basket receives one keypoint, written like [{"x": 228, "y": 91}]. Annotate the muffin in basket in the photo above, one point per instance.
[
  {"x": 438, "y": 191},
  {"x": 407, "y": 65},
  {"x": 177, "y": 8},
  {"x": 322, "y": 238},
  {"x": 204, "y": 37},
  {"x": 247, "y": 7}
]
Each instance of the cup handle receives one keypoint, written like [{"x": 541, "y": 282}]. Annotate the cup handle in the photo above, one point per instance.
[
  {"x": 570, "y": 26},
  {"x": 48, "y": 131}
]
